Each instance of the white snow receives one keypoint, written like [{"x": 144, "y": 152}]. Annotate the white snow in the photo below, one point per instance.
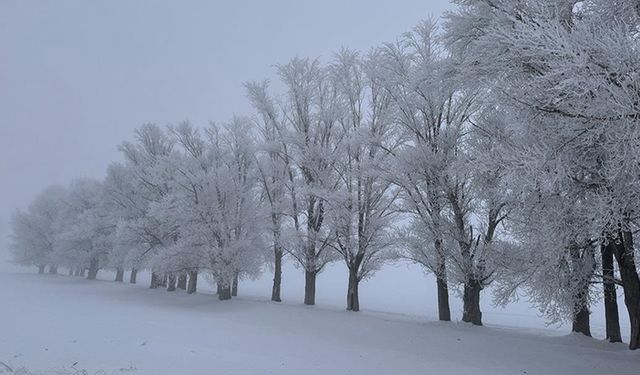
[{"x": 54, "y": 321}]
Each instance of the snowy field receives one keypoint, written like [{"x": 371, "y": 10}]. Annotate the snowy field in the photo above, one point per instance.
[{"x": 49, "y": 322}]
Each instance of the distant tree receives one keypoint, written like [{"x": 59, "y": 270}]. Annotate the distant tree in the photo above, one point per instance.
[
  {"x": 127, "y": 204},
  {"x": 33, "y": 237},
  {"x": 85, "y": 232}
]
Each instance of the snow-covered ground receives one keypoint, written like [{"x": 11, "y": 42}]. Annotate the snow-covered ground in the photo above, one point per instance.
[{"x": 49, "y": 322}]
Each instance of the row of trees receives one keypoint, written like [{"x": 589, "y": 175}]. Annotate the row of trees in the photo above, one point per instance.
[{"x": 502, "y": 148}]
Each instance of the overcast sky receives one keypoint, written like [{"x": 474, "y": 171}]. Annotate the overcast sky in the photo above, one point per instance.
[{"x": 76, "y": 77}]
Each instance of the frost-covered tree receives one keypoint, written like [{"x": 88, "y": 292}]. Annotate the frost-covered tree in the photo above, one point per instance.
[
  {"x": 214, "y": 204},
  {"x": 451, "y": 182},
  {"x": 362, "y": 207},
  {"x": 432, "y": 114},
  {"x": 311, "y": 114},
  {"x": 143, "y": 233},
  {"x": 482, "y": 200},
  {"x": 127, "y": 205},
  {"x": 274, "y": 171}
]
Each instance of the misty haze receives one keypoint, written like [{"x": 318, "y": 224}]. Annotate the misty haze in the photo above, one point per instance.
[{"x": 320, "y": 187}]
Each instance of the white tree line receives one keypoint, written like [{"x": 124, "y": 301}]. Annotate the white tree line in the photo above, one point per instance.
[{"x": 502, "y": 148}]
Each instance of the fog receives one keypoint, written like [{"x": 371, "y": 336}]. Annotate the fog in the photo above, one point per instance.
[{"x": 76, "y": 77}]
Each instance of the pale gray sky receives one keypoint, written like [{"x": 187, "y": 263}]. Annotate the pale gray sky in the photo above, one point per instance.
[{"x": 76, "y": 77}]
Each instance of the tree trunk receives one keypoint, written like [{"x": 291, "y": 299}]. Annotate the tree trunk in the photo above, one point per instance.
[
  {"x": 224, "y": 292},
  {"x": 471, "y": 303},
  {"x": 41, "y": 268},
  {"x": 53, "y": 269},
  {"x": 92, "y": 274},
  {"x": 353, "y": 301},
  {"x": 182, "y": 281},
  {"x": 630, "y": 284},
  {"x": 310, "y": 287},
  {"x": 134, "y": 276},
  {"x": 70, "y": 271},
  {"x": 193, "y": 282},
  {"x": 611, "y": 314},
  {"x": 83, "y": 271},
  {"x": 444, "y": 312},
  {"x": 164, "y": 280},
  {"x": 119, "y": 274},
  {"x": 155, "y": 280},
  {"x": 580, "y": 322},
  {"x": 171, "y": 284},
  {"x": 277, "y": 272},
  {"x": 581, "y": 312},
  {"x": 93, "y": 269},
  {"x": 76, "y": 272},
  {"x": 234, "y": 285},
  {"x": 218, "y": 288}
]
